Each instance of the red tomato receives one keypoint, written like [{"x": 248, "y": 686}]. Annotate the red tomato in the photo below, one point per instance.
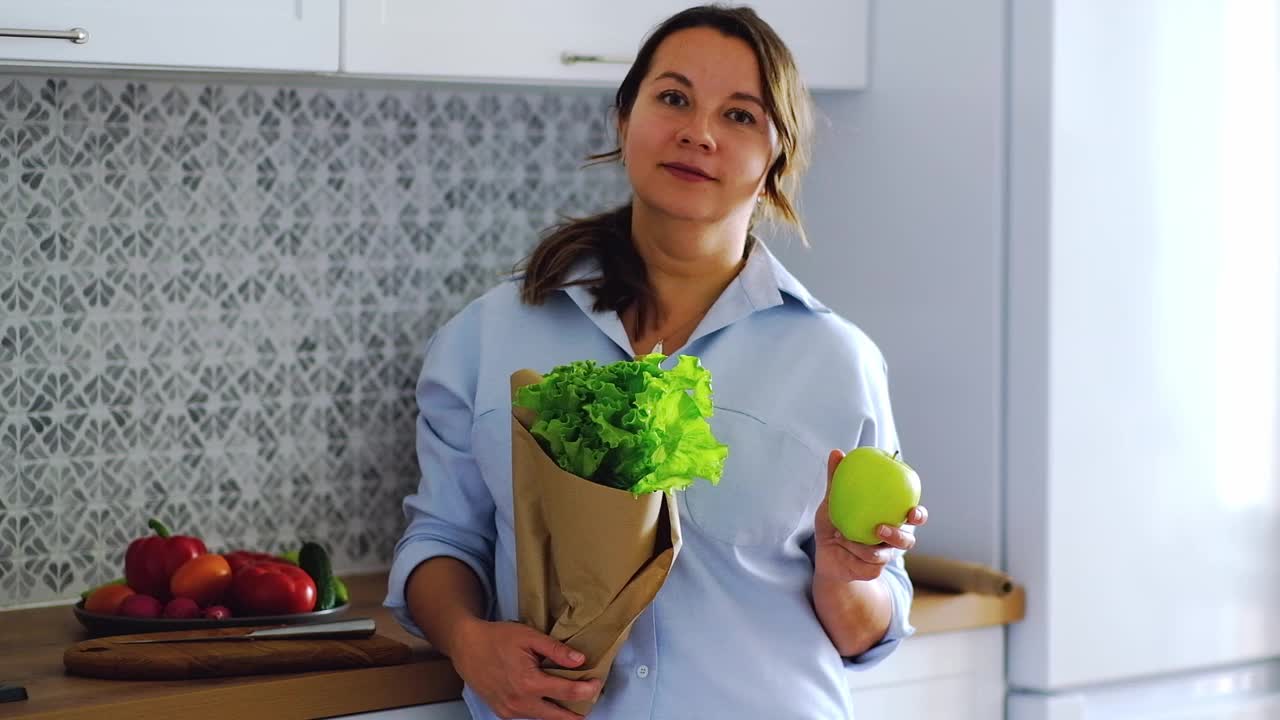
[
  {"x": 272, "y": 588},
  {"x": 242, "y": 558}
]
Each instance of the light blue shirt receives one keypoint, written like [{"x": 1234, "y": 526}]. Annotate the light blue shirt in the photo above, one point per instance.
[{"x": 733, "y": 632}]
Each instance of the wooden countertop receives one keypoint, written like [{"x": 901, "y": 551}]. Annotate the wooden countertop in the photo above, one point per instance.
[{"x": 32, "y": 643}]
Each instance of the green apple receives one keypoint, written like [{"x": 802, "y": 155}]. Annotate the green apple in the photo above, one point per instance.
[{"x": 871, "y": 488}]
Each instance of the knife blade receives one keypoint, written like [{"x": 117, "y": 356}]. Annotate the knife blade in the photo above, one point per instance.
[{"x": 358, "y": 627}]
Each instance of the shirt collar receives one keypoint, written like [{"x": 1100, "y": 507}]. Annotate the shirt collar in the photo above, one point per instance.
[
  {"x": 760, "y": 285},
  {"x": 766, "y": 278}
]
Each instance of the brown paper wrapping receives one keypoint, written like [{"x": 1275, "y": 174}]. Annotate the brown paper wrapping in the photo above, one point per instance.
[
  {"x": 956, "y": 575},
  {"x": 589, "y": 558}
]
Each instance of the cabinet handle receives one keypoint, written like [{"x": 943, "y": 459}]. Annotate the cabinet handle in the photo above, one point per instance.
[
  {"x": 78, "y": 36},
  {"x": 571, "y": 58}
]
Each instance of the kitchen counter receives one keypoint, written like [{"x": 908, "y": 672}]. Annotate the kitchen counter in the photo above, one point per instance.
[{"x": 32, "y": 643}]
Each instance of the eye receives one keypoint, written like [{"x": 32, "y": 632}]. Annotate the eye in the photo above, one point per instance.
[
  {"x": 673, "y": 98},
  {"x": 741, "y": 116}
]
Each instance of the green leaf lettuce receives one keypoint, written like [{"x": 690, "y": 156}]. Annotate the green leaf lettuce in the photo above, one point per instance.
[{"x": 630, "y": 424}]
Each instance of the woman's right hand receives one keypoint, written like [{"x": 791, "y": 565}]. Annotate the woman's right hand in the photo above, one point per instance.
[{"x": 501, "y": 662}]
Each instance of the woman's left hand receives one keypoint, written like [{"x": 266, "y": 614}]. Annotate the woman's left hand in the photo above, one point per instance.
[{"x": 838, "y": 559}]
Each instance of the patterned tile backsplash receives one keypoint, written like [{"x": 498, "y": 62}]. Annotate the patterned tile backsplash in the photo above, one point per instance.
[{"x": 214, "y": 298}]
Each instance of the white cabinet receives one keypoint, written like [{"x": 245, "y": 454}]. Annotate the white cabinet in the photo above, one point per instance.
[
  {"x": 953, "y": 698},
  {"x": 504, "y": 40},
  {"x": 827, "y": 37},
  {"x": 955, "y": 675},
  {"x": 288, "y": 35},
  {"x": 522, "y": 42},
  {"x": 566, "y": 42}
]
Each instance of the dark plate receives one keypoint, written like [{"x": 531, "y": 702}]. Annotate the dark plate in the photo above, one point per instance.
[{"x": 99, "y": 624}]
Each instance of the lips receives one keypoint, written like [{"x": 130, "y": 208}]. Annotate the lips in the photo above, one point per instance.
[{"x": 683, "y": 169}]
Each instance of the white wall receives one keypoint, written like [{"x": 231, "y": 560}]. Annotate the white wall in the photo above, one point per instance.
[{"x": 904, "y": 210}]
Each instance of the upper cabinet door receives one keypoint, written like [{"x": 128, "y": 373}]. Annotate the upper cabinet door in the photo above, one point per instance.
[
  {"x": 289, "y": 35},
  {"x": 827, "y": 37},
  {"x": 519, "y": 41},
  {"x": 574, "y": 42}
]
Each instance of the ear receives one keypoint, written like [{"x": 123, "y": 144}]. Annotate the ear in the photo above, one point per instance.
[
  {"x": 776, "y": 168},
  {"x": 623, "y": 125}
]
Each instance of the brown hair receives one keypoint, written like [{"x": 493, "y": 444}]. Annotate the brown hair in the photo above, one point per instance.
[{"x": 607, "y": 235}]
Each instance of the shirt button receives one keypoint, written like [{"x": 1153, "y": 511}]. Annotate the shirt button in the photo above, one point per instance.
[{"x": 642, "y": 671}]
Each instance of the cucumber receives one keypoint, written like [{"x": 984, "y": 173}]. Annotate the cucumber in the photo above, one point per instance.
[
  {"x": 313, "y": 558},
  {"x": 341, "y": 595}
]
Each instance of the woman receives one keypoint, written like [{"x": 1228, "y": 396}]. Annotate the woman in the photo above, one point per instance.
[{"x": 766, "y": 605}]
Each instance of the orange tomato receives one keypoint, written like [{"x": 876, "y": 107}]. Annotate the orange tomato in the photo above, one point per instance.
[
  {"x": 204, "y": 578},
  {"x": 106, "y": 599}
]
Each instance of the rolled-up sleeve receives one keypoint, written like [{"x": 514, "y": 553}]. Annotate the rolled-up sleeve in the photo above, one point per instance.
[
  {"x": 452, "y": 512},
  {"x": 882, "y": 433},
  {"x": 895, "y": 577}
]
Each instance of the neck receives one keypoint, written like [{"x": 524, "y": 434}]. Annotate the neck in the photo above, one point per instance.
[{"x": 689, "y": 265}]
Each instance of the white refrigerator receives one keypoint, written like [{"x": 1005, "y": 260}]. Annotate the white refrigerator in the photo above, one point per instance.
[{"x": 1142, "y": 447}]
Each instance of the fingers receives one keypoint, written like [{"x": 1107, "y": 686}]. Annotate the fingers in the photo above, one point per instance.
[
  {"x": 918, "y": 515},
  {"x": 557, "y": 688},
  {"x": 554, "y": 650},
  {"x": 833, "y": 459},
  {"x": 900, "y": 538},
  {"x": 822, "y": 518},
  {"x": 854, "y": 561},
  {"x": 879, "y": 555},
  {"x": 896, "y": 537},
  {"x": 507, "y": 672},
  {"x": 540, "y": 684}
]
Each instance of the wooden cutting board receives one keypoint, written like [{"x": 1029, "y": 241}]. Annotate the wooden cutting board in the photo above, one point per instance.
[{"x": 107, "y": 658}]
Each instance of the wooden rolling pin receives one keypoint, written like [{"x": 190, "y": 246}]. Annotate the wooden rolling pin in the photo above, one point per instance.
[{"x": 956, "y": 575}]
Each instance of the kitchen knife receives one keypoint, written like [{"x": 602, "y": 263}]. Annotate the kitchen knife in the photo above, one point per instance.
[
  {"x": 359, "y": 627},
  {"x": 12, "y": 693}
]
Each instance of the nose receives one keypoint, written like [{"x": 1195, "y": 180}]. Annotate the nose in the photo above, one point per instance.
[{"x": 697, "y": 132}]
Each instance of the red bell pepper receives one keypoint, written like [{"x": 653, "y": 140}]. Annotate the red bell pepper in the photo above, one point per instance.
[
  {"x": 272, "y": 588},
  {"x": 150, "y": 561}
]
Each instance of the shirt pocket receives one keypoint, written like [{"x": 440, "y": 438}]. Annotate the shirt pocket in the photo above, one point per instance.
[{"x": 771, "y": 480}]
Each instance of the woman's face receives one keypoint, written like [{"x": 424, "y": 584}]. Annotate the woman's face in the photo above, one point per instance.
[{"x": 698, "y": 142}]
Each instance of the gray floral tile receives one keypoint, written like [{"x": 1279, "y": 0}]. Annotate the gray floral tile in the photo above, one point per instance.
[{"x": 214, "y": 299}]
